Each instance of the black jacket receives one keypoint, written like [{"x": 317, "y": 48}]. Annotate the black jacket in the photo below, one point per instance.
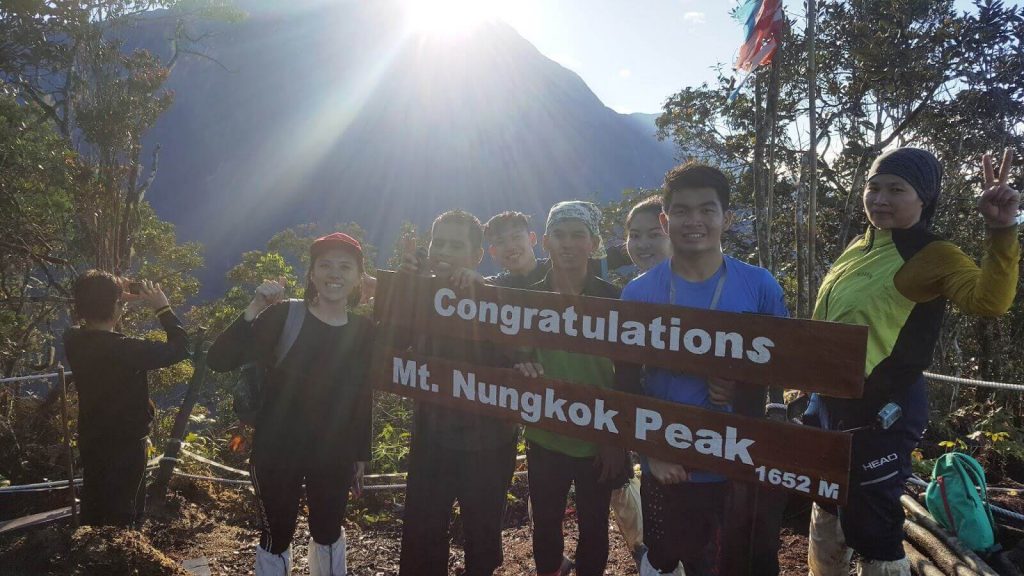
[
  {"x": 109, "y": 371},
  {"x": 318, "y": 398}
]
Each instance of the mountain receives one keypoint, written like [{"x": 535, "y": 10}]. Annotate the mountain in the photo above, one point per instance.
[{"x": 333, "y": 113}]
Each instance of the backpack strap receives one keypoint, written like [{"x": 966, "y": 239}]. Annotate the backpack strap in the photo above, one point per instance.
[
  {"x": 290, "y": 331},
  {"x": 941, "y": 481}
]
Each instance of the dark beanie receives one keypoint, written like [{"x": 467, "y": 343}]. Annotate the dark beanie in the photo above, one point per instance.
[{"x": 920, "y": 169}]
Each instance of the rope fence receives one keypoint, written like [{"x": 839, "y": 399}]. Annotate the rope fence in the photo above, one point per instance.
[
  {"x": 976, "y": 383},
  {"x": 155, "y": 462},
  {"x": 929, "y": 375},
  {"x": 29, "y": 377}
]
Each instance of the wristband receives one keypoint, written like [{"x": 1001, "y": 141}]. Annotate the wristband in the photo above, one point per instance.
[{"x": 162, "y": 309}]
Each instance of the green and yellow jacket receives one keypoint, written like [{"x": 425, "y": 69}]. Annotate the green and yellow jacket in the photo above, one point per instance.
[{"x": 897, "y": 282}]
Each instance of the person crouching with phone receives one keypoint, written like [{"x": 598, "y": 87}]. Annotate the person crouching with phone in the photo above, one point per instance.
[
  {"x": 313, "y": 423},
  {"x": 114, "y": 411}
]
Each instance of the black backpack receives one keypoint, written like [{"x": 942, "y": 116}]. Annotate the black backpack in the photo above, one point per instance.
[{"x": 247, "y": 396}]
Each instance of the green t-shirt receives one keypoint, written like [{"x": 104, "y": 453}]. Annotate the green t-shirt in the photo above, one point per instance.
[{"x": 579, "y": 369}]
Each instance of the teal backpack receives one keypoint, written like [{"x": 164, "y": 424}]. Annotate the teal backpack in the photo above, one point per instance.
[{"x": 958, "y": 499}]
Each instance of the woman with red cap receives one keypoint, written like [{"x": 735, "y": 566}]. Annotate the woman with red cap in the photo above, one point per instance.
[{"x": 313, "y": 424}]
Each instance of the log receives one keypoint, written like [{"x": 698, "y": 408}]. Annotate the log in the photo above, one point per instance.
[
  {"x": 944, "y": 558},
  {"x": 919, "y": 563},
  {"x": 921, "y": 516}
]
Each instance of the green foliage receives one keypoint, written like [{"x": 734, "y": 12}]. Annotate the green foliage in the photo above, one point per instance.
[
  {"x": 36, "y": 178},
  {"x": 293, "y": 243},
  {"x": 958, "y": 90},
  {"x": 391, "y": 425}
]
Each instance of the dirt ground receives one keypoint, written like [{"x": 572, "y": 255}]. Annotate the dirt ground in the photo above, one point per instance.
[{"x": 205, "y": 520}]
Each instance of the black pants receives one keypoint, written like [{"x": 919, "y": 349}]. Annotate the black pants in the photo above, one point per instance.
[
  {"x": 438, "y": 477},
  {"x": 750, "y": 536},
  {"x": 880, "y": 464},
  {"x": 278, "y": 473},
  {"x": 683, "y": 523},
  {"x": 113, "y": 481},
  {"x": 551, "y": 474}
]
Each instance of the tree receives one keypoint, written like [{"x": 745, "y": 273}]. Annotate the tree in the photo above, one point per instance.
[
  {"x": 958, "y": 90},
  {"x": 36, "y": 178},
  {"x": 69, "y": 59}
]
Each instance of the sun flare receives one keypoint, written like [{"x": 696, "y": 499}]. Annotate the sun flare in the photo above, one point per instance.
[{"x": 448, "y": 18}]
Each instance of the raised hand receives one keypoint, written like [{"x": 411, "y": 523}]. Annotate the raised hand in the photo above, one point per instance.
[
  {"x": 410, "y": 263},
  {"x": 270, "y": 292},
  {"x": 152, "y": 295},
  {"x": 998, "y": 204}
]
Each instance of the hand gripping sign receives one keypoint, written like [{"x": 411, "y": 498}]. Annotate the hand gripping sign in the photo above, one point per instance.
[{"x": 807, "y": 355}]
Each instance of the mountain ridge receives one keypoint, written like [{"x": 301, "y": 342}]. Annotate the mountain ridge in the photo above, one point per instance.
[{"x": 336, "y": 115}]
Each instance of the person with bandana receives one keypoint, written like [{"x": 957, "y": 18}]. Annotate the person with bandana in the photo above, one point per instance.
[
  {"x": 896, "y": 279},
  {"x": 556, "y": 462}
]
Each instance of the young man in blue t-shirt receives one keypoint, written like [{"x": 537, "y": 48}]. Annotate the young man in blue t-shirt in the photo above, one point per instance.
[{"x": 683, "y": 508}]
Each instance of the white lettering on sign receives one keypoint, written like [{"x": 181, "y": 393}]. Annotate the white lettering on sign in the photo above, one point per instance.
[
  {"x": 657, "y": 334},
  {"x": 530, "y": 405},
  {"x": 828, "y": 489},
  {"x": 404, "y": 372},
  {"x": 407, "y": 373},
  {"x": 728, "y": 446},
  {"x": 550, "y": 404}
]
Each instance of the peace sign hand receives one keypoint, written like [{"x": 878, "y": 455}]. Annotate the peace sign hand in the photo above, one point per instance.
[{"x": 999, "y": 203}]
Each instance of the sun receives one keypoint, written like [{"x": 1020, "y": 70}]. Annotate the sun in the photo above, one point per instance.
[{"x": 448, "y": 18}]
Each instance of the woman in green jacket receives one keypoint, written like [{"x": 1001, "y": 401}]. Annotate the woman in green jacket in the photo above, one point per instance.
[{"x": 897, "y": 279}]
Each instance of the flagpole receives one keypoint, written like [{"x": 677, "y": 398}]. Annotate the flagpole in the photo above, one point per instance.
[{"x": 812, "y": 151}]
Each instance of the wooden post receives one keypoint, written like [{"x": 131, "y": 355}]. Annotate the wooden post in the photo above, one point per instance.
[
  {"x": 812, "y": 164},
  {"x": 771, "y": 117},
  {"x": 173, "y": 449},
  {"x": 68, "y": 454},
  {"x": 758, "y": 172}
]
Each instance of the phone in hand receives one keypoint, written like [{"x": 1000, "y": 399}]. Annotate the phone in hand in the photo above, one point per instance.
[{"x": 135, "y": 287}]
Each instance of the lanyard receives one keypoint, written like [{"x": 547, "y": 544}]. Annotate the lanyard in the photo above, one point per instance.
[{"x": 714, "y": 299}]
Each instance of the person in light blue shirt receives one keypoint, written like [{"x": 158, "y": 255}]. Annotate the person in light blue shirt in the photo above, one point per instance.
[
  {"x": 684, "y": 509},
  {"x": 744, "y": 288}
]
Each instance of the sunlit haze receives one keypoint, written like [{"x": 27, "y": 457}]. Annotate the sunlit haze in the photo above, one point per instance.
[
  {"x": 450, "y": 18},
  {"x": 633, "y": 55}
]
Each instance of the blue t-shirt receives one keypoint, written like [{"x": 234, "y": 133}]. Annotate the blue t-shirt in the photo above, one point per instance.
[{"x": 745, "y": 288}]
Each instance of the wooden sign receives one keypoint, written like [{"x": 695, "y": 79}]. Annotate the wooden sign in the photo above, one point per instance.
[
  {"x": 806, "y": 355},
  {"x": 806, "y": 461}
]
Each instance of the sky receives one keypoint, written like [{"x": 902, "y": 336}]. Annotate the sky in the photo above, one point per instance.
[{"x": 633, "y": 54}]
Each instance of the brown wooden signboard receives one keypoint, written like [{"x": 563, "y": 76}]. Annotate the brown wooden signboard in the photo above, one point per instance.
[
  {"x": 806, "y": 355},
  {"x": 807, "y": 461}
]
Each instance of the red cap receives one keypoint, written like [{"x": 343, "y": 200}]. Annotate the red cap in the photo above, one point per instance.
[{"x": 336, "y": 240}]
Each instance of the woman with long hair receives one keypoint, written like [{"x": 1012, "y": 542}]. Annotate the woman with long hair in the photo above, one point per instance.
[{"x": 313, "y": 422}]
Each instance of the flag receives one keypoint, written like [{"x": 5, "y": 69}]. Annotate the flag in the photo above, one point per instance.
[{"x": 763, "y": 22}]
